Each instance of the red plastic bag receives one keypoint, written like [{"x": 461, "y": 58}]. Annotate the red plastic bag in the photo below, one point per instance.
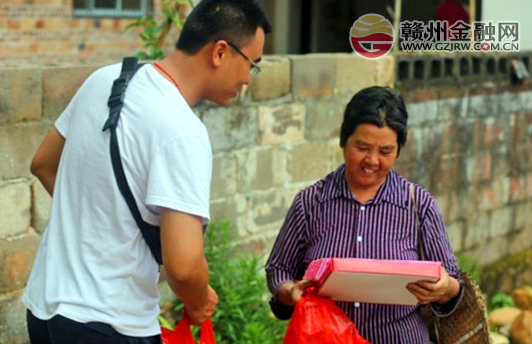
[
  {"x": 320, "y": 321},
  {"x": 182, "y": 334}
]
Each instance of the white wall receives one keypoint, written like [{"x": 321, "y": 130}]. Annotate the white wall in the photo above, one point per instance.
[{"x": 511, "y": 10}]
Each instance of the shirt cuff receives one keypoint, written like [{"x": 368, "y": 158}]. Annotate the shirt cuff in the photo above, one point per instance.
[
  {"x": 276, "y": 278},
  {"x": 280, "y": 310}
]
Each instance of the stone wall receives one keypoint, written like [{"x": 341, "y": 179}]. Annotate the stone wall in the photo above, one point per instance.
[
  {"x": 469, "y": 143},
  {"x": 471, "y": 147}
]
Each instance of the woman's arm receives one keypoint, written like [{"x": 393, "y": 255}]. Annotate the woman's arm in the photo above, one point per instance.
[
  {"x": 286, "y": 257},
  {"x": 436, "y": 248}
]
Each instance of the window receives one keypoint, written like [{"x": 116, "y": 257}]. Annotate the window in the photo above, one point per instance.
[{"x": 110, "y": 8}]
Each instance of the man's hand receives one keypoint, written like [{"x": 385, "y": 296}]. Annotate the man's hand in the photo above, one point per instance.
[
  {"x": 199, "y": 315},
  {"x": 440, "y": 291}
]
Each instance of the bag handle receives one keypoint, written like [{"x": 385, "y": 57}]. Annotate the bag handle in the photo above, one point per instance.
[
  {"x": 150, "y": 233},
  {"x": 183, "y": 335}
]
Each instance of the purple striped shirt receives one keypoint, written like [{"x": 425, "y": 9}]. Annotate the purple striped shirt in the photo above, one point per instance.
[{"x": 325, "y": 220}]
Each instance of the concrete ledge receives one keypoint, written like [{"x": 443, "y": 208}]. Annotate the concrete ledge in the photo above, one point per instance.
[
  {"x": 59, "y": 86},
  {"x": 273, "y": 81},
  {"x": 20, "y": 94},
  {"x": 354, "y": 73},
  {"x": 313, "y": 75}
]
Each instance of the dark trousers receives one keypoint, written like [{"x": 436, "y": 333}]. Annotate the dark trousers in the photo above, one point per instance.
[{"x": 61, "y": 330}]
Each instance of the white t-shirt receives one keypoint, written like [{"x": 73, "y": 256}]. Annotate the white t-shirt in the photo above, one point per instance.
[{"x": 93, "y": 264}]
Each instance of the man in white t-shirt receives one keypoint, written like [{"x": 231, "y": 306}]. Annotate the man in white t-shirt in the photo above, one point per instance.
[{"x": 94, "y": 279}]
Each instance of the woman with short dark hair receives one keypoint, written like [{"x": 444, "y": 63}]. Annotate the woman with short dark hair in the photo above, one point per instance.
[{"x": 365, "y": 209}]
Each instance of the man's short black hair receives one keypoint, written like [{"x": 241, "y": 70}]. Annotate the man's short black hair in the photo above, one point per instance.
[
  {"x": 380, "y": 106},
  {"x": 235, "y": 21}
]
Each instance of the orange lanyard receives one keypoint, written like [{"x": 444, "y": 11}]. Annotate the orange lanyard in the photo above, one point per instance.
[{"x": 159, "y": 67}]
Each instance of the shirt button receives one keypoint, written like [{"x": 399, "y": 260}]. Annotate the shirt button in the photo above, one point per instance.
[
  {"x": 359, "y": 238},
  {"x": 362, "y": 208},
  {"x": 357, "y": 304}
]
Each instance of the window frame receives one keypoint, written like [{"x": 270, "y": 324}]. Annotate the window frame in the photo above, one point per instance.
[{"x": 116, "y": 12}]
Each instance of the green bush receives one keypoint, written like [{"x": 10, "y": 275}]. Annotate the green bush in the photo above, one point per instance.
[
  {"x": 243, "y": 315},
  {"x": 500, "y": 300}
]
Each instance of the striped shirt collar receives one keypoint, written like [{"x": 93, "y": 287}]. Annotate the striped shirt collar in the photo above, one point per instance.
[{"x": 335, "y": 186}]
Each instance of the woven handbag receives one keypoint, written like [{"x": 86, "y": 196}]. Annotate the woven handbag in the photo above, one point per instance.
[{"x": 468, "y": 324}]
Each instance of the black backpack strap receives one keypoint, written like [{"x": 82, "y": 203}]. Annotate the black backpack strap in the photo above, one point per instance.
[{"x": 150, "y": 233}]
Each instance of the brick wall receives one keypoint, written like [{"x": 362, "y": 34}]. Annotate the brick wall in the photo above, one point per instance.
[
  {"x": 469, "y": 143},
  {"x": 46, "y": 31}
]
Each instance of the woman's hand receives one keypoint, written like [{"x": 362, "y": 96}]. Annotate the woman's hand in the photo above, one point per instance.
[
  {"x": 290, "y": 293},
  {"x": 440, "y": 291}
]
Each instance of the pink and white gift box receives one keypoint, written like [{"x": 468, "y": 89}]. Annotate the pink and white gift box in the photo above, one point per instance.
[{"x": 370, "y": 280}]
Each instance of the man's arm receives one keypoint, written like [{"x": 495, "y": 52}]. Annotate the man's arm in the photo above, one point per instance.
[
  {"x": 186, "y": 268},
  {"x": 46, "y": 160}
]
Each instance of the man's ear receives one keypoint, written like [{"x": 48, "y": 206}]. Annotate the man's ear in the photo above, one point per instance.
[{"x": 219, "y": 52}]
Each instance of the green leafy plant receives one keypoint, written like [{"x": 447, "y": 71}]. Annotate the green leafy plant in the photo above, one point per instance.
[
  {"x": 243, "y": 315},
  {"x": 155, "y": 33},
  {"x": 500, "y": 300}
]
